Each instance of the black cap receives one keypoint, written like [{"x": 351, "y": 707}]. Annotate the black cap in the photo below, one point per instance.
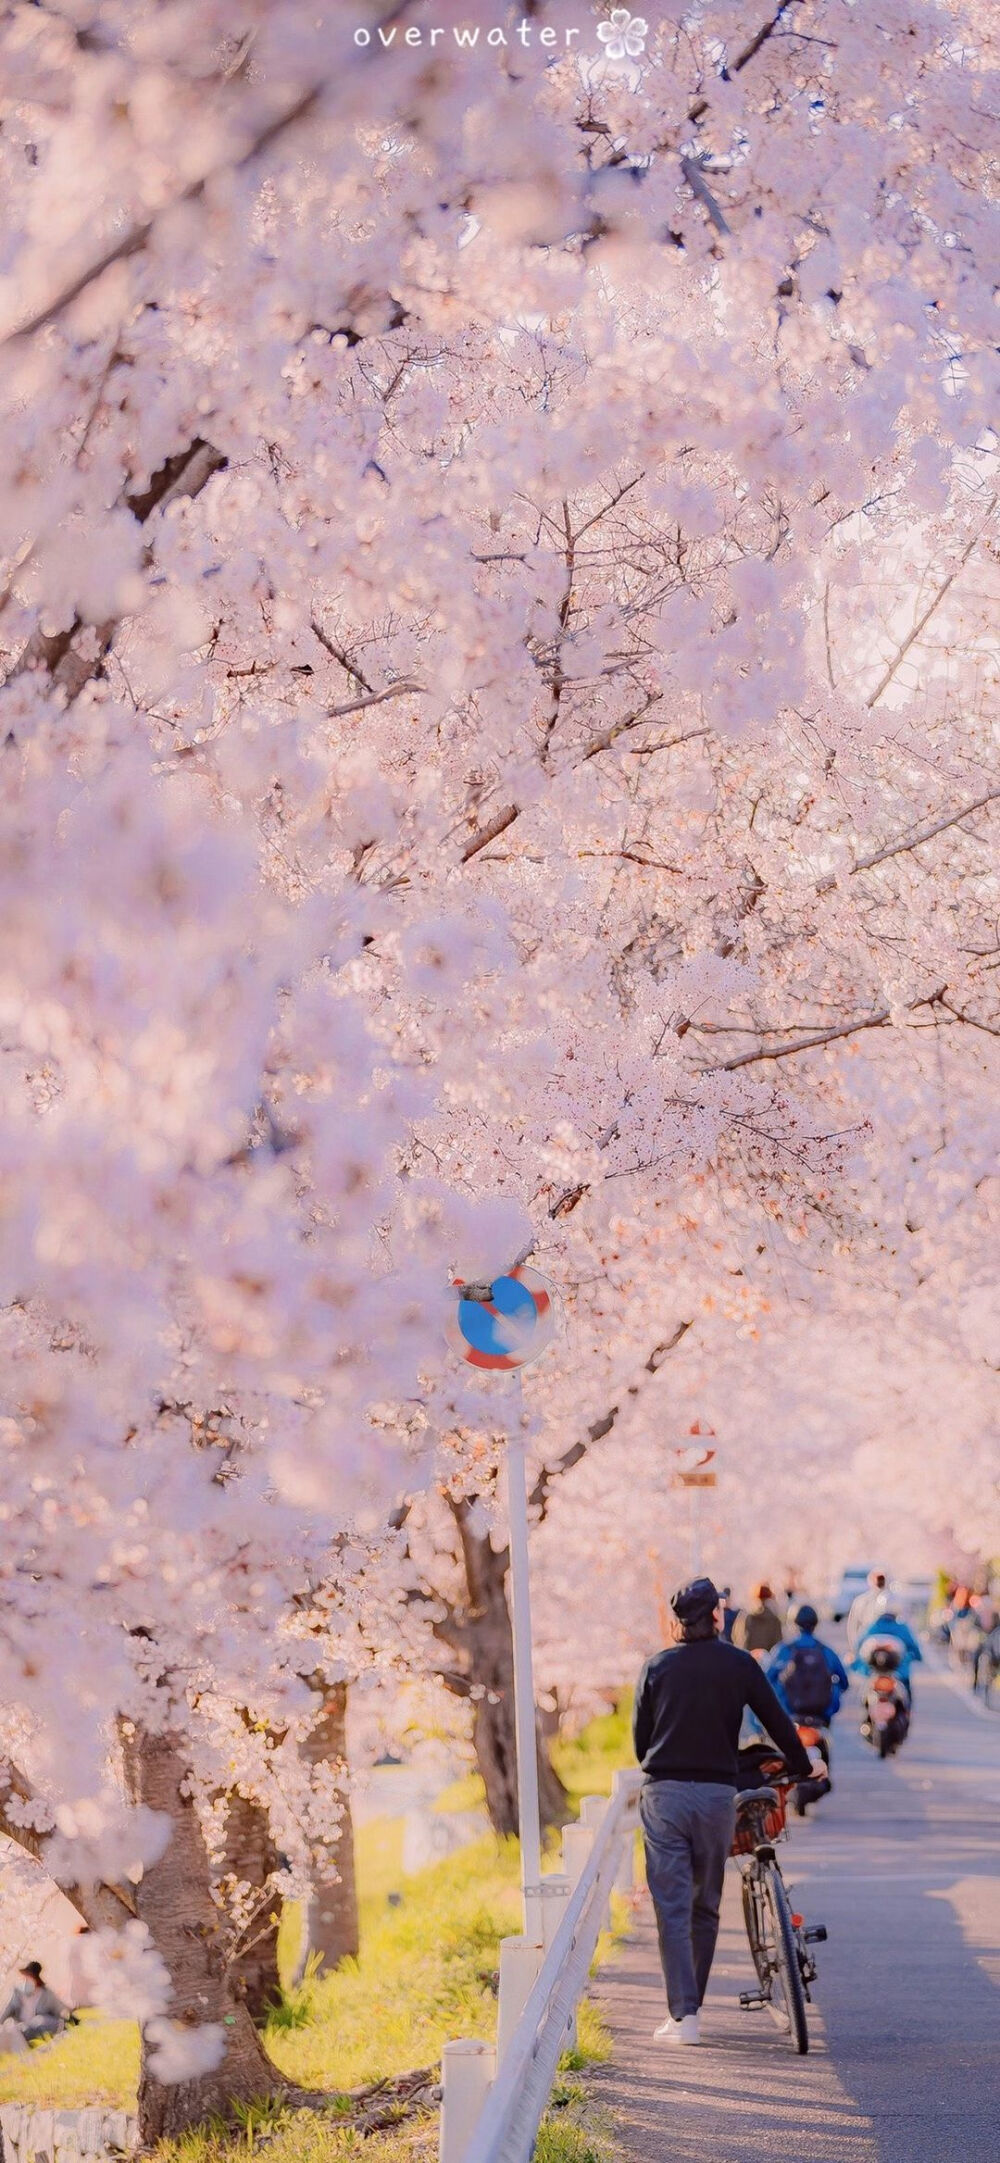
[
  {"x": 805, "y": 1617},
  {"x": 34, "y": 1967},
  {"x": 690, "y": 1602}
]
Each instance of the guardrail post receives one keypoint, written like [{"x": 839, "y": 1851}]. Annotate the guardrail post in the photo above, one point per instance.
[
  {"x": 593, "y": 1810},
  {"x": 520, "y": 1961},
  {"x": 555, "y": 1894},
  {"x": 556, "y": 1889},
  {"x": 513, "y": 2109},
  {"x": 577, "y": 1841},
  {"x": 625, "y": 1873},
  {"x": 468, "y": 2069}
]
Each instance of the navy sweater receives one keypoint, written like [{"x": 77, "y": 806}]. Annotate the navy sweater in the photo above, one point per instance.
[{"x": 689, "y": 1710}]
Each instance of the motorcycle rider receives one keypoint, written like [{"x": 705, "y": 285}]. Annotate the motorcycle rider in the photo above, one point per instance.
[
  {"x": 889, "y": 1625},
  {"x": 808, "y": 1677}
]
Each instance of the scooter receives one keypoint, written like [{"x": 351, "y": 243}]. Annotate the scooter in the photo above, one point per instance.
[{"x": 885, "y": 1697}]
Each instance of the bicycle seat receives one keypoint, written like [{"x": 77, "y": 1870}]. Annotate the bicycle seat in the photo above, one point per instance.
[{"x": 750, "y": 1795}]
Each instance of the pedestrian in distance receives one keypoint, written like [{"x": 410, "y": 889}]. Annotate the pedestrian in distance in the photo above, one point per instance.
[
  {"x": 33, "y": 2007},
  {"x": 729, "y": 1614},
  {"x": 758, "y": 1628},
  {"x": 689, "y": 1708},
  {"x": 866, "y": 1607}
]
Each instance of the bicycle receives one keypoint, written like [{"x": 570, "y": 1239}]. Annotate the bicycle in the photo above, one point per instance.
[
  {"x": 779, "y": 1938},
  {"x": 987, "y": 1667}
]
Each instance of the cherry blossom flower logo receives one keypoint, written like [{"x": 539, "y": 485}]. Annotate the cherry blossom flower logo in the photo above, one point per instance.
[{"x": 623, "y": 35}]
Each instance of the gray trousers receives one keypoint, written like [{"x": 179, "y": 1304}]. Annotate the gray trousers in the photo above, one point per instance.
[
  {"x": 36, "y": 2030},
  {"x": 688, "y": 1827}
]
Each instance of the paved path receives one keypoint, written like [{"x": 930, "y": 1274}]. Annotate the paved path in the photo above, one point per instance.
[{"x": 902, "y": 1862}]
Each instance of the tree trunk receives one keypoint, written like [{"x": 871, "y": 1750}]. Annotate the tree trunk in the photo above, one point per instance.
[
  {"x": 550, "y": 1718},
  {"x": 486, "y": 1638},
  {"x": 330, "y": 1926},
  {"x": 174, "y": 1899},
  {"x": 251, "y": 1858},
  {"x": 495, "y": 1746}
]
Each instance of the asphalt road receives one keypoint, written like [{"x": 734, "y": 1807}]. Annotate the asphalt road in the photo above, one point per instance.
[{"x": 902, "y": 1862}]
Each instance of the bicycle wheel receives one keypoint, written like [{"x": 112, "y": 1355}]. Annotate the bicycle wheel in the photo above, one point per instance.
[{"x": 786, "y": 2000}]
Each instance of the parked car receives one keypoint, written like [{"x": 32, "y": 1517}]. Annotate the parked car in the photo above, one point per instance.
[{"x": 848, "y": 1585}]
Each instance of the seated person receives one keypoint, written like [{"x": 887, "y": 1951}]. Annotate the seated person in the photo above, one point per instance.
[{"x": 33, "y": 2007}]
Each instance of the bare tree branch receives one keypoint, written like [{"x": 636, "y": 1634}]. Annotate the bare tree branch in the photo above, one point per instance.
[
  {"x": 336, "y": 653},
  {"x": 742, "y": 60},
  {"x": 669, "y": 743},
  {"x": 934, "y": 603},
  {"x": 486, "y": 834},
  {"x": 133, "y": 242},
  {"x": 826, "y": 635},
  {"x": 925, "y": 833},
  {"x": 610, "y": 735},
  {"x": 971, "y": 1020},
  {"x": 375, "y": 698},
  {"x": 103, "y": 1906},
  {"x": 184, "y": 474},
  {"x": 539, "y": 1496},
  {"x": 804, "y": 1043},
  {"x": 691, "y": 169}
]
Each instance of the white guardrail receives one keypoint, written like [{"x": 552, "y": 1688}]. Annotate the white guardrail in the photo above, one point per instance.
[{"x": 493, "y": 2098}]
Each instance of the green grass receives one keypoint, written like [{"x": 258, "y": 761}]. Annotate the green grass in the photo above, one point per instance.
[
  {"x": 98, "y": 2062},
  {"x": 571, "y": 2139},
  {"x": 468, "y": 1793},
  {"x": 587, "y": 1765},
  {"x": 301, "y": 2137},
  {"x": 426, "y": 1972}
]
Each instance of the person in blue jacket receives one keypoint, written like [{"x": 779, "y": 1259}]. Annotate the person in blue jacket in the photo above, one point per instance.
[
  {"x": 889, "y": 1625},
  {"x": 808, "y": 1677}
]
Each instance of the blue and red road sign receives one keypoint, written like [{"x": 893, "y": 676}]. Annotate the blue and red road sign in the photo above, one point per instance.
[{"x": 510, "y": 1327}]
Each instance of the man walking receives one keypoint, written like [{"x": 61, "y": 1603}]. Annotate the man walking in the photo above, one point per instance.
[{"x": 689, "y": 1707}]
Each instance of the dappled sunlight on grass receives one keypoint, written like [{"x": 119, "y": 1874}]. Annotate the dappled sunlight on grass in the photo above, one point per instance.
[
  {"x": 424, "y": 1973},
  {"x": 98, "y": 2062},
  {"x": 304, "y": 2138}
]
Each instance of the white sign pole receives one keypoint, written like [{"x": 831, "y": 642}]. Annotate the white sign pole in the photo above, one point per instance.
[{"x": 524, "y": 1683}]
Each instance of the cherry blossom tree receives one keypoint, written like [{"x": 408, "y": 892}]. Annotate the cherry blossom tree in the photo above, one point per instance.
[{"x": 497, "y": 540}]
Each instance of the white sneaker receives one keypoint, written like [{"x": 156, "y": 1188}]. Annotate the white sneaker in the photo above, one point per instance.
[{"x": 685, "y": 2031}]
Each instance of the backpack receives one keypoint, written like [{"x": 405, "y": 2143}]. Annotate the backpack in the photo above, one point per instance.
[{"x": 805, "y": 1679}]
